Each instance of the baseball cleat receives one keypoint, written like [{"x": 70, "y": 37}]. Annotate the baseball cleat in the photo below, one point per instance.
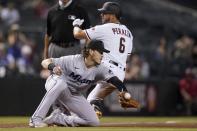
[
  {"x": 98, "y": 111},
  {"x": 37, "y": 124},
  {"x": 99, "y": 114},
  {"x": 51, "y": 119}
]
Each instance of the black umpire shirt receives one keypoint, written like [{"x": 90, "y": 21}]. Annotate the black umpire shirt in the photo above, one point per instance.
[{"x": 59, "y": 22}]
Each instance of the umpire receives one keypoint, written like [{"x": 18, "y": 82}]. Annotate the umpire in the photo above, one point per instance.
[{"x": 59, "y": 40}]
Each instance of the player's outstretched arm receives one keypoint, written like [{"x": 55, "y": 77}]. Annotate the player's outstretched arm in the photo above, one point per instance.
[
  {"x": 77, "y": 31},
  {"x": 125, "y": 99},
  {"x": 117, "y": 83}
]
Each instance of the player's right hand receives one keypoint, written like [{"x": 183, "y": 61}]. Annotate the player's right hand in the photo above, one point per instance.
[
  {"x": 57, "y": 70},
  {"x": 78, "y": 22}
]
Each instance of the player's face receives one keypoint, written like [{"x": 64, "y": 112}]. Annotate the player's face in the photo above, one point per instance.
[
  {"x": 105, "y": 18},
  {"x": 97, "y": 57}
]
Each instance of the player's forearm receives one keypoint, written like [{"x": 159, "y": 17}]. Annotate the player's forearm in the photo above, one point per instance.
[
  {"x": 48, "y": 64},
  {"x": 117, "y": 83},
  {"x": 79, "y": 33},
  {"x": 45, "y": 63}
]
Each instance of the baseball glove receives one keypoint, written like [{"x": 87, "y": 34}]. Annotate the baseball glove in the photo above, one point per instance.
[{"x": 126, "y": 101}]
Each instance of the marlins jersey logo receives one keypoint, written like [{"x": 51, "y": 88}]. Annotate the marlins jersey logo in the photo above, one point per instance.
[{"x": 78, "y": 78}]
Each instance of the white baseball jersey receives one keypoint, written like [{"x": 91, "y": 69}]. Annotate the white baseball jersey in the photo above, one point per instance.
[
  {"x": 77, "y": 75},
  {"x": 118, "y": 39}
]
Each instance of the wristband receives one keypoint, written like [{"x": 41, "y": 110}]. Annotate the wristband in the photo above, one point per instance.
[
  {"x": 76, "y": 26},
  {"x": 116, "y": 82},
  {"x": 51, "y": 66}
]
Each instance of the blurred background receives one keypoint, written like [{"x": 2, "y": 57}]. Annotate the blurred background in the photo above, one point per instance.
[{"x": 161, "y": 72}]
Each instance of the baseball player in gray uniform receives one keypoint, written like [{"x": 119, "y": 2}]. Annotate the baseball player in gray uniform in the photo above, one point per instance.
[{"x": 72, "y": 74}]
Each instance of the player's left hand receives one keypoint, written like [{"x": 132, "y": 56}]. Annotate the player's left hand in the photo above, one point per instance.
[
  {"x": 126, "y": 101},
  {"x": 57, "y": 70},
  {"x": 78, "y": 22}
]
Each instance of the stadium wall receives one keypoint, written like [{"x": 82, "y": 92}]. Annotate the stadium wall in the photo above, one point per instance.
[{"x": 21, "y": 96}]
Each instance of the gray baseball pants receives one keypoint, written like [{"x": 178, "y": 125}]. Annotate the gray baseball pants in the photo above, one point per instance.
[
  {"x": 56, "y": 51},
  {"x": 57, "y": 89}
]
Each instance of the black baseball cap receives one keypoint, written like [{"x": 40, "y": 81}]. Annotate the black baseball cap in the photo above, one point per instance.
[
  {"x": 111, "y": 8},
  {"x": 97, "y": 45}
]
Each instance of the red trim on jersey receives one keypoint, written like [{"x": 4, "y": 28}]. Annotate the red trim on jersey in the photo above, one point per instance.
[{"x": 87, "y": 35}]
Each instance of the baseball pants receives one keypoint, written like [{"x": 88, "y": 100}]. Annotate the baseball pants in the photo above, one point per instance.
[
  {"x": 57, "y": 89},
  {"x": 103, "y": 89}
]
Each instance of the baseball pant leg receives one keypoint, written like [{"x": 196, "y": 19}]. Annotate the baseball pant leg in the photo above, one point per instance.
[
  {"x": 84, "y": 114},
  {"x": 55, "y": 86}
]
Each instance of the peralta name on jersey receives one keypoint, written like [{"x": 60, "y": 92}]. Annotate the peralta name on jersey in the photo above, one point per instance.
[{"x": 118, "y": 31}]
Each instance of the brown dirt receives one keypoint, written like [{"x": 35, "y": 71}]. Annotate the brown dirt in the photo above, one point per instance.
[
  {"x": 131, "y": 124},
  {"x": 151, "y": 124},
  {"x": 14, "y": 125}
]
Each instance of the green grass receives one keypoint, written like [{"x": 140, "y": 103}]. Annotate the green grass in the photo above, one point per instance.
[
  {"x": 112, "y": 119},
  {"x": 149, "y": 119},
  {"x": 96, "y": 129},
  {"x": 10, "y": 120}
]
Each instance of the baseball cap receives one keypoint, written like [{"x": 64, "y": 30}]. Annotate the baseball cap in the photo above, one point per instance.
[
  {"x": 110, "y": 8},
  {"x": 97, "y": 45}
]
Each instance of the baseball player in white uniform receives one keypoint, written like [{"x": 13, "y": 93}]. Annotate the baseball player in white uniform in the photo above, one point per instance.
[
  {"x": 72, "y": 74},
  {"x": 117, "y": 38}
]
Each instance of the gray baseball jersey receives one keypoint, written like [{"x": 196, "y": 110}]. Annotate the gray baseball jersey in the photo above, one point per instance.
[{"x": 77, "y": 75}]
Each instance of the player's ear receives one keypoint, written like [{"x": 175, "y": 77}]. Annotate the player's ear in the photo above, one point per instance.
[{"x": 91, "y": 51}]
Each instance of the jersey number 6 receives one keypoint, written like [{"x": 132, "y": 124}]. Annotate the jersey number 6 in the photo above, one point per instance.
[{"x": 122, "y": 46}]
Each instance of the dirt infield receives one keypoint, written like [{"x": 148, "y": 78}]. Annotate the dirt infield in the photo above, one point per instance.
[
  {"x": 127, "y": 124},
  {"x": 151, "y": 124}
]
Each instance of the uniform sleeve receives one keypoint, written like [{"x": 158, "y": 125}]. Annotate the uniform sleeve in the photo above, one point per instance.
[
  {"x": 62, "y": 62},
  {"x": 95, "y": 32},
  {"x": 48, "y": 26},
  {"x": 104, "y": 73}
]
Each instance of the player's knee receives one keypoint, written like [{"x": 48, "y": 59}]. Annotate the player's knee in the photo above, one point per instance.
[{"x": 61, "y": 85}]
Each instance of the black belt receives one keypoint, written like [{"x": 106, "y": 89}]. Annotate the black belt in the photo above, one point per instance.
[
  {"x": 65, "y": 45},
  {"x": 116, "y": 64}
]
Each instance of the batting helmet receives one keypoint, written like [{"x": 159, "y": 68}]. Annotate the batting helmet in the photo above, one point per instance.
[{"x": 111, "y": 8}]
